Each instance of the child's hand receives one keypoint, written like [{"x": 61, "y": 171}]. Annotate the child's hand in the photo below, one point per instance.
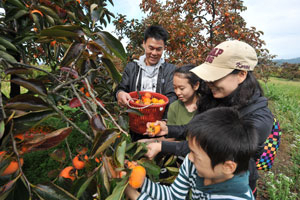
[
  {"x": 131, "y": 193},
  {"x": 153, "y": 149},
  {"x": 163, "y": 129}
]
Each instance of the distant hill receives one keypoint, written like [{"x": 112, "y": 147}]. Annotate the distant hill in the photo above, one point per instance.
[{"x": 292, "y": 60}]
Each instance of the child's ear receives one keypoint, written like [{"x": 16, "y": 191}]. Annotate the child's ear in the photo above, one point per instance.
[
  {"x": 229, "y": 167},
  {"x": 196, "y": 86}
]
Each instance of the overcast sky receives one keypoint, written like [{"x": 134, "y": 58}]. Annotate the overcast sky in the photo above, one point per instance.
[{"x": 278, "y": 19}]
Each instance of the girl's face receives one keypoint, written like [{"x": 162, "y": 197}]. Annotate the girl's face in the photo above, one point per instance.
[
  {"x": 225, "y": 86},
  {"x": 183, "y": 89}
]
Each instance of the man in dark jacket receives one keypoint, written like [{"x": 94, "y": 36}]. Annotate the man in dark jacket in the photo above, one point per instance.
[{"x": 150, "y": 72}]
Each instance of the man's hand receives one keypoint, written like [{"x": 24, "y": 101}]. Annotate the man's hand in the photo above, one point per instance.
[
  {"x": 153, "y": 149},
  {"x": 163, "y": 129},
  {"x": 123, "y": 98}
]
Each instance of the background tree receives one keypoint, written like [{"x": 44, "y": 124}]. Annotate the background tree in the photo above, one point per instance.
[{"x": 194, "y": 26}]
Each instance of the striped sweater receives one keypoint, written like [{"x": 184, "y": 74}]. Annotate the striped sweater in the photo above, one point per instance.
[{"x": 187, "y": 179}]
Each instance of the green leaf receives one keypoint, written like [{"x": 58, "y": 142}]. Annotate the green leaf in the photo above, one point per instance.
[
  {"x": 104, "y": 182},
  {"x": 27, "y": 102},
  {"x": 17, "y": 3},
  {"x": 8, "y": 187},
  {"x": 113, "y": 44},
  {"x": 96, "y": 123},
  {"x": 48, "y": 11},
  {"x": 115, "y": 74},
  {"x": 43, "y": 142},
  {"x": 58, "y": 33},
  {"x": 36, "y": 20},
  {"x": 35, "y": 116},
  {"x": 134, "y": 111},
  {"x": 2, "y": 48},
  {"x": 2, "y": 128},
  {"x": 140, "y": 151},
  {"x": 58, "y": 155},
  {"x": 72, "y": 53},
  {"x": 50, "y": 20},
  {"x": 8, "y": 44},
  {"x": 53, "y": 192},
  {"x": 120, "y": 154},
  {"x": 19, "y": 14},
  {"x": 21, "y": 188},
  {"x": 26, "y": 38},
  {"x": 173, "y": 170},
  {"x": 152, "y": 169},
  {"x": 170, "y": 161},
  {"x": 33, "y": 85},
  {"x": 17, "y": 70},
  {"x": 84, "y": 186},
  {"x": 7, "y": 57},
  {"x": 65, "y": 27},
  {"x": 103, "y": 141},
  {"x": 118, "y": 191}
]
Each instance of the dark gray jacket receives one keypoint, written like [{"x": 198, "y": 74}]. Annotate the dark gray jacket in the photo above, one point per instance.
[{"x": 164, "y": 80}]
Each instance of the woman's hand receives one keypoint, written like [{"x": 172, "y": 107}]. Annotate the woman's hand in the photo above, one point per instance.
[
  {"x": 163, "y": 129},
  {"x": 153, "y": 149}
]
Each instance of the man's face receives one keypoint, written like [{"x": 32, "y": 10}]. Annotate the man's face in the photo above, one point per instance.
[{"x": 153, "y": 50}]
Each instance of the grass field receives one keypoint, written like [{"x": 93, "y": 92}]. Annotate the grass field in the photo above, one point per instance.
[{"x": 282, "y": 182}]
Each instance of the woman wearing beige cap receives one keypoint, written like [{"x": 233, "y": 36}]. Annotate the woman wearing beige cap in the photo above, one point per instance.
[{"x": 228, "y": 74}]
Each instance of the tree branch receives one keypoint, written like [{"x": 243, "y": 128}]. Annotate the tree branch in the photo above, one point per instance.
[{"x": 66, "y": 119}]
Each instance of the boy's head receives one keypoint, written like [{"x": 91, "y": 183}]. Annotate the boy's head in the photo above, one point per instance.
[
  {"x": 155, "y": 39},
  {"x": 221, "y": 142}
]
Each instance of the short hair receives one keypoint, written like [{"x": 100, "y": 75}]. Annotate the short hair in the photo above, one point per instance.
[
  {"x": 157, "y": 32},
  {"x": 224, "y": 136},
  {"x": 184, "y": 70}
]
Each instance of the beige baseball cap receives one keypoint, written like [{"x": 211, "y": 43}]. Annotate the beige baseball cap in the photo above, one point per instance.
[{"x": 225, "y": 58}]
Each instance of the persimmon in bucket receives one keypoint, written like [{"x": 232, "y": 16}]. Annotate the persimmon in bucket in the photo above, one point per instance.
[{"x": 147, "y": 99}]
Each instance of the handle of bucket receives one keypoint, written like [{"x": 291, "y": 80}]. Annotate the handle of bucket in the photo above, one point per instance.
[{"x": 132, "y": 99}]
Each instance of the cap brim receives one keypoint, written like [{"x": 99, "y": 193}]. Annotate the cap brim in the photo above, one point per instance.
[{"x": 210, "y": 73}]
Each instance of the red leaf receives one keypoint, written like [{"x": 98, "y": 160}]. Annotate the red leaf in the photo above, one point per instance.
[{"x": 74, "y": 103}]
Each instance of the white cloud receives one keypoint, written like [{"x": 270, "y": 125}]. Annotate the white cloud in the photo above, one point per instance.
[{"x": 279, "y": 20}]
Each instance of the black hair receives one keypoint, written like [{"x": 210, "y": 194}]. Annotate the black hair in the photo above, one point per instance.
[
  {"x": 157, "y": 32},
  {"x": 185, "y": 72},
  {"x": 237, "y": 99},
  {"x": 224, "y": 136}
]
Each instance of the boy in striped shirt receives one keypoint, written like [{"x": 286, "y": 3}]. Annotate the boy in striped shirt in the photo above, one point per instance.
[{"x": 221, "y": 144}]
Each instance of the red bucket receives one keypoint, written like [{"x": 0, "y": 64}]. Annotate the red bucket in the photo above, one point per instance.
[{"x": 152, "y": 112}]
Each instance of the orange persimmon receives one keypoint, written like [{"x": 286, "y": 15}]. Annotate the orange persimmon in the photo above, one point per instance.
[
  {"x": 137, "y": 177},
  {"x": 69, "y": 172},
  {"x": 154, "y": 129}
]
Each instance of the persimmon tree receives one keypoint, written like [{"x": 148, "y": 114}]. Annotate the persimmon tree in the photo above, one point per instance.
[
  {"x": 56, "y": 57},
  {"x": 194, "y": 27}
]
